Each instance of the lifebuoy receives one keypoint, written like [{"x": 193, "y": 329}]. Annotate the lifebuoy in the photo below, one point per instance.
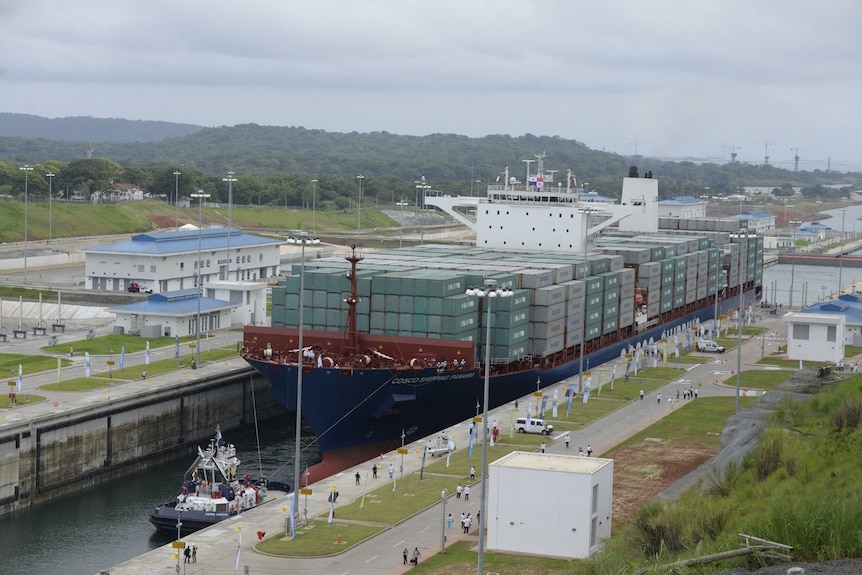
[{"x": 327, "y": 362}]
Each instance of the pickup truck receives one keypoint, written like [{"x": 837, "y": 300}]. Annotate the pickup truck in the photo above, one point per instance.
[{"x": 708, "y": 345}]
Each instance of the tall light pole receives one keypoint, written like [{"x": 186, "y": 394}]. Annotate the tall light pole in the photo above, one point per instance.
[
  {"x": 177, "y": 175},
  {"x": 587, "y": 213},
  {"x": 402, "y": 203},
  {"x": 794, "y": 223},
  {"x": 230, "y": 180},
  {"x": 490, "y": 291},
  {"x": 314, "y": 206},
  {"x": 303, "y": 237},
  {"x": 50, "y": 176},
  {"x": 200, "y": 195},
  {"x": 360, "y": 177},
  {"x": 739, "y": 321},
  {"x": 841, "y": 252},
  {"x": 26, "y": 168}
]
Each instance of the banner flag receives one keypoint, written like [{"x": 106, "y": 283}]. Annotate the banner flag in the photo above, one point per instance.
[
  {"x": 122, "y": 357},
  {"x": 238, "y": 548},
  {"x": 571, "y": 392},
  {"x": 86, "y": 364},
  {"x": 554, "y": 405},
  {"x": 59, "y": 367},
  {"x": 599, "y": 384},
  {"x": 177, "y": 347},
  {"x": 664, "y": 351},
  {"x": 637, "y": 361},
  {"x": 469, "y": 447},
  {"x": 544, "y": 405},
  {"x": 293, "y": 515},
  {"x": 20, "y": 377},
  {"x": 147, "y": 358},
  {"x": 587, "y": 388}
]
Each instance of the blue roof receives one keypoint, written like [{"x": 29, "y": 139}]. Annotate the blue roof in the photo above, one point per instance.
[
  {"x": 178, "y": 303},
  {"x": 751, "y": 214},
  {"x": 682, "y": 200},
  {"x": 849, "y": 305},
  {"x": 177, "y": 242}
]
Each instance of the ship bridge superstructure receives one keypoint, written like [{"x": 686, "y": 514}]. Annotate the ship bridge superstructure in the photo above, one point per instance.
[{"x": 538, "y": 215}]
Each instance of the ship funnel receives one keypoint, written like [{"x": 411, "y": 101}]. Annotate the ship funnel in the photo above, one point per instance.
[{"x": 633, "y": 171}]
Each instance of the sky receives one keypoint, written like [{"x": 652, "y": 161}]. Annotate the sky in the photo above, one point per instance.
[{"x": 662, "y": 78}]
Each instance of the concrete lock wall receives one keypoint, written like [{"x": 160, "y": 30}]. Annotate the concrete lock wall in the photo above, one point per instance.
[{"x": 67, "y": 452}]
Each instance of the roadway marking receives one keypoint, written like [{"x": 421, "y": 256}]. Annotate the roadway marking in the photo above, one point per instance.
[
  {"x": 426, "y": 529},
  {"x": 372, "y": 559},
  {"x": 399, "y": 543}
]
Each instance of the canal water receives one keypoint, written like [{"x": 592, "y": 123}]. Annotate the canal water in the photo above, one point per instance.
[{"x": 104, "y": 526}]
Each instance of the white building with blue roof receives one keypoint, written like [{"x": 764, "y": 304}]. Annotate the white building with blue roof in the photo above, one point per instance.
[
  {"x": 168, "y": 261},
  {"x": 757, "y": 220},
  {"x": 174, "y": 314},
  {"x": 682, "y": 207}
]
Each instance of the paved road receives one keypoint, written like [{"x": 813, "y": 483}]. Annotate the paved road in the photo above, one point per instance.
[{"x": 217, "y": 546}]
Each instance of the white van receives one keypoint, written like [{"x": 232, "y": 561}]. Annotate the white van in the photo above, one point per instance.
[
  {"x": 536, "y": 426},
  {"x": 708, "y": 345}
]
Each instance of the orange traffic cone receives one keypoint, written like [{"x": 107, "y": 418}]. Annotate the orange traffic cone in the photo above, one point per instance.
[{"x": 339, "y": 540}]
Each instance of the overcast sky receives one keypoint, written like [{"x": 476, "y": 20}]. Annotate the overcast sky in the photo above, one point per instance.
[{"x": 672, "y": 78}]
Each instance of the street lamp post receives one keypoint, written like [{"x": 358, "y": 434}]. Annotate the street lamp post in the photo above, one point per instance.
[
  {"x": 200, "y": 195},
  {"x": 303, "y": 238},
  {"x": 586, "y": 223},
  {"x": 177, "y": 175},
  {"x": 26, "y": 169},
  {"x": 739, "y": 323},
  {"x": 443, "y": 523},
  {"x": 794, "y": 223},
  {"x": 360, "y": 177},
  {"x": 50, "y": 176},
  {"x": 314, "y": 206},
  {"x": 841, "y": 252},
  {"x": 490, "y": 291},
  {"x": 230, "y": 180},
  {"x": 402, "y": 203}
]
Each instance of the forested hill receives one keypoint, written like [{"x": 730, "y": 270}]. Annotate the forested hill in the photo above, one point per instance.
[
  {"x": 83, "y": 129},
  {"x": 449, "y": 161}
]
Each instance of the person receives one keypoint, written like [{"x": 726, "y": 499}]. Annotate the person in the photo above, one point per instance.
[
  {"x": 144, "y": 374},
  {"x": 642, "y": 395},
  {"x": 374, "y": 471},
  {"x": 405, "y": 552},
  {"x": 568, "y": 439},
  {"x": 467, "y": 493},
  {"x": 357, "y": 478},
  {"x": 658, "y": 397},
  {"x": 516, "y": 405},
  {"x": 391, "y": 471},
  {"x": 581, "y": 452},
  {"x": 449, "y": 521},
  {"x": 416, "y": 554},
  {"x": 467, "y": 522},
  {"x": 472, "y": 472},
  {"x": 430, "y": 445},
  {"x": 458, "y": 491},
  {"x": 188, "y": 555},
  {"x": 589, "y": 450},
  {"x": 543, "y": 447},
  {"x": 194, "y": 553}
]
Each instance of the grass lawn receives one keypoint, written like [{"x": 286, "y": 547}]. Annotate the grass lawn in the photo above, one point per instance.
[
  {"x": 761, "y": 379},
  {"x": 115, "y": 376},
  {"x": 30, "y": 364},
  {"x": 112, "y": 344},
  {"x": 319, "y": 538},
  {"x": 791, "y": 363},
  {"x": 460, "y": 558},
  {"x": 22, "y": 400}
]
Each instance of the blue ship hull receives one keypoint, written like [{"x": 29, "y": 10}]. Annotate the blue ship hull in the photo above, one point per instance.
[{"x": 355, "y": 409}]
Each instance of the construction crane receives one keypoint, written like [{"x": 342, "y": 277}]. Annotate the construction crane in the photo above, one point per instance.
[
  {"x": 796, "y": 157},
  {"x": 635, "y": 146},
  {"x": 766, "y": 145},
  {"x": 733, "y": 154}
]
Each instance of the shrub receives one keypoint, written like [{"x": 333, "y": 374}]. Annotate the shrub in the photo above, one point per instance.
[
  {"x": 721, "y": 482},
  {"x": 768, "y": 452},
  {"x": 847, "y": 415}
]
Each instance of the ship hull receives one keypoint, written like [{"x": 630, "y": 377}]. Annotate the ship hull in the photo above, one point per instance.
[{"x": 359, "y": 411}]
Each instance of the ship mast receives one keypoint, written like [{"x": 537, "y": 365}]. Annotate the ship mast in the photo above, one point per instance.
[{"x": 351, "y": 300}]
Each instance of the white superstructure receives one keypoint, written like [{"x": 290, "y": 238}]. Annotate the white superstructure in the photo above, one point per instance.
[{"x": 537, "y": 215}]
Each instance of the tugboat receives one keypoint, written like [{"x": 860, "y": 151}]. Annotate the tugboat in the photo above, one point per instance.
[{"x": 210, "y": 491}]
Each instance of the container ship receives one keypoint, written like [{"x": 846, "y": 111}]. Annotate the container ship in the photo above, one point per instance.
[{"x": 393, "y": 346}]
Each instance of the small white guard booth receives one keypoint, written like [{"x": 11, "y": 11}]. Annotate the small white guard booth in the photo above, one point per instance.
[{"x": 548, "y": 504}]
